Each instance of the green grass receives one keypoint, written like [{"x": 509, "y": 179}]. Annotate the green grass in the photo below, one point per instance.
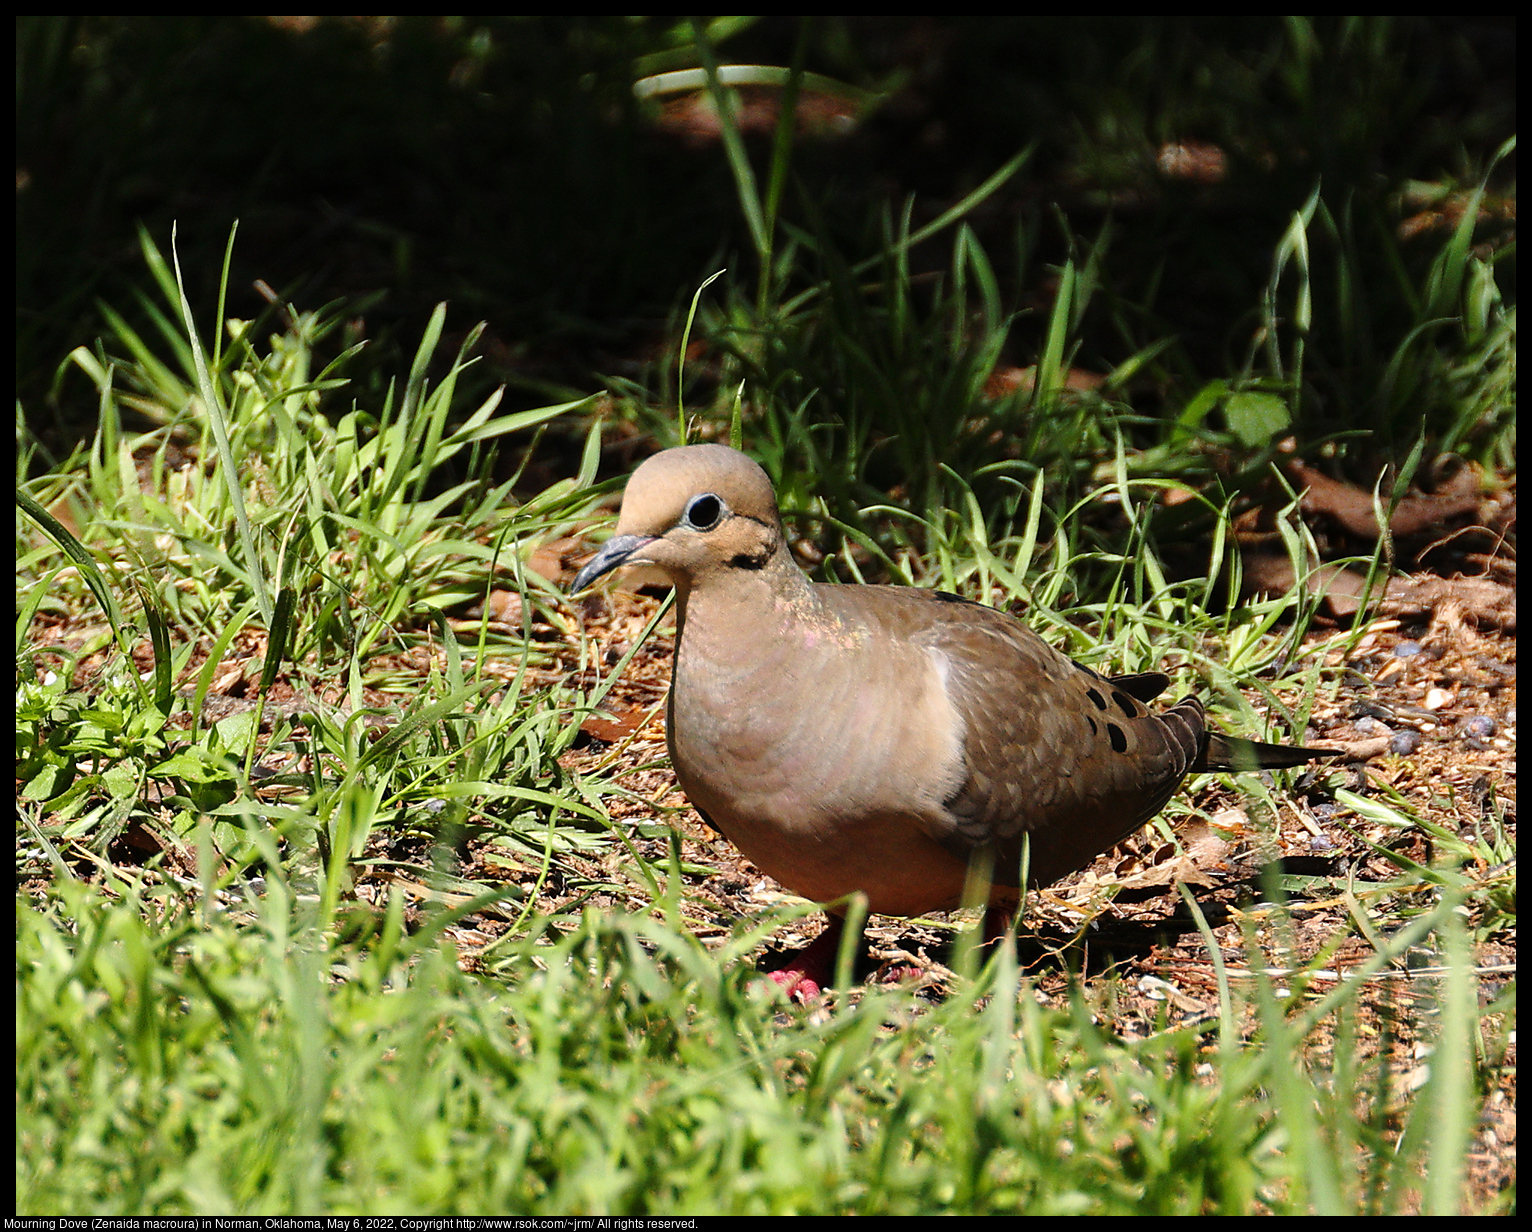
[
  {"x": 260, "y": 1018},
  {"x": 256, "y": 1038},
  {"x": 207, "y": 1051}
]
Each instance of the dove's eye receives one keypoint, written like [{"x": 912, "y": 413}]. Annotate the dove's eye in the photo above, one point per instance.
[{"x": 703, "y": 512}]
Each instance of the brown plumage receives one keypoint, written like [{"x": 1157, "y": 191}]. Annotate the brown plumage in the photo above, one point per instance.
[{"x": 875, "y": 738}]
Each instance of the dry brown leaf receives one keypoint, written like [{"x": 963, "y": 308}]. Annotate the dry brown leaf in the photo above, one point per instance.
[{"x": 1417, "y": 512}]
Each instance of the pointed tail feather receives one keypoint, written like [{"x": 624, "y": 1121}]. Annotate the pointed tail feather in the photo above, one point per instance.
[{"x": 1233, "y": 753}]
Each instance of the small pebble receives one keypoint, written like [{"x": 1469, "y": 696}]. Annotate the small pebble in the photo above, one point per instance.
[
  {"x": 1480, "y": 725},
  {"x": 1321, "y": 842},
  {"x": 1404, "y": 743},
  {"x": 1436, "y": 699},
  {"x": 1406, "y": 650}
]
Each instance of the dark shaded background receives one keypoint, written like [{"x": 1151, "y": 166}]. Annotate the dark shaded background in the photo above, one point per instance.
[{"x": 504, "y": 165}]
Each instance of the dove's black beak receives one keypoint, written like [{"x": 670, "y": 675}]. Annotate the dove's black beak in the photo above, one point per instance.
[{"x": 615, "y": 552}]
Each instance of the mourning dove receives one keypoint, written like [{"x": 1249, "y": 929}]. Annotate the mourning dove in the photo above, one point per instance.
[{"x": 875, "y": 738}]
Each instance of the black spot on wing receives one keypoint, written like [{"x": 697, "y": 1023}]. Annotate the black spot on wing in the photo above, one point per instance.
[{"x": 1130, "y": 709}]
